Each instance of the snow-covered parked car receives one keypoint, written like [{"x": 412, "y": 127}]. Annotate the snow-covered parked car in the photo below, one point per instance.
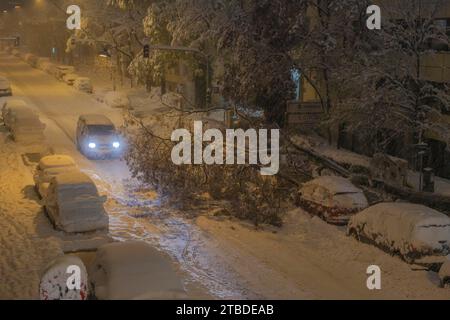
[
  {"x": 26, "y": 127},
  {"x": 97, "y": 137},
  {"x": 48, "y": 168},
  {"x": 23, "y": 123},
  {"x": 133, "y": 271},
  {"x": 116, "y": 99},
  {"x": 9, "y": 108},
  {"x": 417, "y": 233},
  {"x": 49, "y": 68},
  {"x": 53, "y": 284},
  {"x": 83, "y": 84},
  {"x": 62, "y": 70},
  {"x": 333, "y": 198},
  {"x": 5, "y": 87},
  {"x": 70, "y": 78},
  {"x": 41, "y": 62},
  {"x": 31, "y": 59},
  {"x": 74, "y": 205}
]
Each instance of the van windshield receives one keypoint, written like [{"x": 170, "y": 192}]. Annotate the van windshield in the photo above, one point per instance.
[{"x": 100, "y": 130}]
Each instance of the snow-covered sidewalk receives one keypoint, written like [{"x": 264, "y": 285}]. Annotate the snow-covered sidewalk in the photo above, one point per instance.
[{"x": 26, "y": 245}]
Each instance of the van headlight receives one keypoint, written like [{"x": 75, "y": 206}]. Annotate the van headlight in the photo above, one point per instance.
[
  {"x": 92, "y": 145},
  {"x": 116, "y": 145}
]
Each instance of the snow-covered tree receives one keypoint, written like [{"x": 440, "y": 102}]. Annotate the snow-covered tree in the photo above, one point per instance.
[{"x": 391, "y": 99}]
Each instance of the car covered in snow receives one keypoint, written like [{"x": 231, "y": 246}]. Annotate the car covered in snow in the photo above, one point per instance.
[
  {"x": 333, "y": 198},
  {"x": 97, "y": 137},
  {"x": 9, "y": 108},
  {"x": 42, "y": 62},
  {"x": 49, "y": 68},
  {"x": 83, "y": 84},
  {"x": 23, "y": 123},
  {"x": 31, "y": 59},
  {"x": 417, "y": 233},
  {"x": 70, "y": 78},
  {"x": 48, "y": 168},
  {"x": 5, "y": 87},
  {"x": 74, "y": 205},
  {"x": 133, "y": 271},
  {"x": 62, "y": 70}
]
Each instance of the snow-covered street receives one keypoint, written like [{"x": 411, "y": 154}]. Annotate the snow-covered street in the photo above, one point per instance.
[{"x": 217, "y": 257}]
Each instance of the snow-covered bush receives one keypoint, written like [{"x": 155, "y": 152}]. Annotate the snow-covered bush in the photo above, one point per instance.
[{"x": 116, "y": 99}]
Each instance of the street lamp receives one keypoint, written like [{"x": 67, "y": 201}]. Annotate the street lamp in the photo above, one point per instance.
[{"x": 105, "y": 53}]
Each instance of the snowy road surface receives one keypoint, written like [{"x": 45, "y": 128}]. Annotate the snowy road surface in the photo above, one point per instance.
[{"x": 306, "y": 259}]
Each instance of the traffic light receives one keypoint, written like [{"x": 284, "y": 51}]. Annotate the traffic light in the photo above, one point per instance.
[
  {"x": 17, "y": 42},
  {"x": 146, "y": 51}
]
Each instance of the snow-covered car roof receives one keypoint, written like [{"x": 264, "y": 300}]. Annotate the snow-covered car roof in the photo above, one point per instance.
[
  {"x": 134, "y": 270},
  {"x": 83, "y": 80},
  {"x": 96, "y": 119},
  {"x": 73, "y": 178},
  {"x": 71, "y": 76},
  {"x": 14, "y": 103},
  {"x": 65, "y": 67},
  {"x": 334, "y": 184},
  {"x": 56, "y": 161},
  {"x": 4, "y": 83},
  {"x": 409, "y": 214}
]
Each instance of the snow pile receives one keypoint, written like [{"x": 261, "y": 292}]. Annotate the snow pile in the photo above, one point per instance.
[
  {"x": 74, "y": 205},
  {"x": 117, "y": 99},
  {"x": 53, "y": 284},
  {"x": 411, "y": 229},
  {"x": 134, "y": 270}
]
